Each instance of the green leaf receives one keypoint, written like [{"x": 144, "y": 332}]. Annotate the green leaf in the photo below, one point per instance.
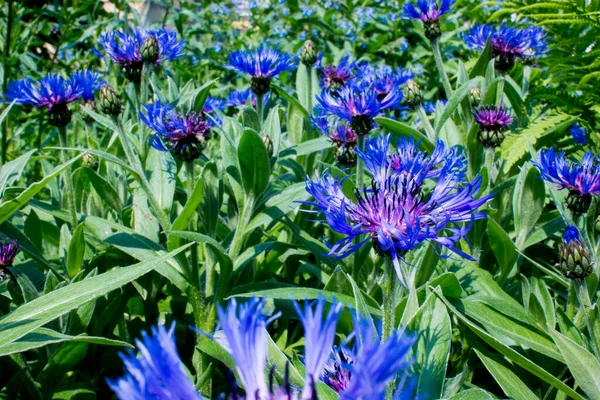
[
  {"x": 104, "y": 189},
  {"x": 502, "y": 372},
  {"x": 472, "y": 394},
  {"x": 582, "y": 364},
  {"x": 12, "y": 170},
  {"x": 60, "y": 364},
  {"x": 401, "y": 130},
  {"x": 433, "y": 332},
  {"x": 280, "y": 204},
  {"x": 529, "y": 198},
  {"x": 76, "y": 251},
  {"x": 254, "y": 162},
  {"x": 101, "y": 119},
  {"x": 503, "y": 248},
  {"x": 307, "y": 147},
  {"x": 483, "y": 61},
  {"x": 162, "y": 171},
  {"x": 250, "y": 118},
  {"x": 454, "y": 101},
  {"x": 44, "y": 309},
  {"x": 43, "y": 337},
  {"x": 291, "y": 100},
  {"x": 9, "y": 207}
]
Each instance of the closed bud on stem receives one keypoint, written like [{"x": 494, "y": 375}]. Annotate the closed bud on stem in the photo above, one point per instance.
[
  {"x": 149, "y": 50},
  {"x": 108, "y": 101},
  {"x": 413, "y": 93},
  {"x": 475, "y": 96},
  {"x": 575, "y": 259},
  {"x": 268, "y": 144},
  {"x": 88, "y": 160},
  {"x": 308, "y": 54}
]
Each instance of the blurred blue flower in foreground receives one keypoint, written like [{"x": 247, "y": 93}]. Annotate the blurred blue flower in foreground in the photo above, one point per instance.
[
  {"x": 158, "y": 373},
  {"x": 414, "y": 198},
  {"x": 54, "y": 92},
  {"x": 8, "y": 252},
  {"x": 262, "y": 65},
  {"x": 581, "y": 179},
  {"x": 578, "y": 133},
  {"x": 132, "y": 50},
  {"x": 508, "y": 43},
  {"x": 429, "y": 12},
  {"x": 184, "y": 135}
]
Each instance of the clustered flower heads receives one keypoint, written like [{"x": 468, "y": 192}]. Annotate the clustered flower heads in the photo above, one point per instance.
[
  {"x": 429, "y": 12},
  {"x": 414, "y": 198},
  {"x": 8, "y": 252},
  {"x": 262, "y": 65},
  {"x": 575, "y": 259},
  {"x": 492, "y": 121},
  {"x": 55, "y": 93},
  {"x": 508, "y": 43},
  {"x": 582, "y": 180},
  {"x": 159, "y": 372},
  {"x": 184, "y": 135},
  {"x": 132, "y": 50}
]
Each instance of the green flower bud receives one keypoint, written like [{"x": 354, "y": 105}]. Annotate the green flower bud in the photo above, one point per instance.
[
  {"x": 88, "y": 160},
  {"x": 268, "y": 144},
  {"x": 308, "y": 54},
  {"x": 475, "y": 96},
  {"x": 149, "y": 50},
  {"x": 575, "y": 259},
  {"x": 108, "y": 101},
  {"x": 491, "y": 138},
  {"x": 413, "y": 93}
]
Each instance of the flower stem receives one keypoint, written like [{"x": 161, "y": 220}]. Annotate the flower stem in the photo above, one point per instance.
[
  {"x": 259, "y": 109},
  {"x": 500, "y": 92},
  {"x": 69, "y": 192},
  {"x": 193, "y": 222},
  {"x": 136, "y": 164},
  {"x": 526, "y": 77},
  {"x": 243, "y": 219},
  {"x": 309, "y": 89},
  {"x": 360, "y": 164},
  {"x": 437, "y": 56},
  {"x": 428, "y": 127},
  {"x": 390, "y": 281}
]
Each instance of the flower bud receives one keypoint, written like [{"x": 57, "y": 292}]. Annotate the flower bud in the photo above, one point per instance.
[
  {"x": 268, "y": 144},
  {"x": 308, "y": 54},
  {"x": 108, "y": 101},
  {"x": 575, "y": 260},
  {"x": 413, "y": 93},
  {"x": 432, "y": 29},
  {"x": 578, "y": 203},
  {"x": 491, "y": 138},
  {"x": 60, "y": 115},
  {"x": 88, "y": 160},
  {"x": 149, "y": 50},
  {"x": 475, "y": 96},
  {"x": 8, "y": 251}
]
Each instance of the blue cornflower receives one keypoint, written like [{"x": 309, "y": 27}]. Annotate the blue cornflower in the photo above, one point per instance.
[
  {"x": 262, "y": 65},
  {"x": 335, "y": 77},
  {"x": 131, "y": 50},
  {"x": 493, "y": 121},
  {"x": 8, "y": 252},
  {"x": 429, "y": 12},
  {"x": 158, "y": 373},
  {"x": 508, "y": 43},
  {"x": 55, "y": 93},
  {"x": 244, "y": 336},
  {"x": 211, "y": 108},
  {"x": 240, "y": 97},
  {"x": 578, "y": 134},
  {"x": 357, "y": 104},
  {"x": 413, "y": 199},
  {"x": 341, "y": 134},
  {"x": 365, "y": 371},
  {"x": 575, "y": 259},
  {"x": 384, "y": 80},
  {"x": 184, "y": 135},
  {"x": 581, "y": 179}
]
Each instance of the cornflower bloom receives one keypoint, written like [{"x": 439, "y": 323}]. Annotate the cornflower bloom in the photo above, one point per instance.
[
  {"x": 335, "y": 77},
  {"x": 582, "y": 180},
  {"x": 575, "y": 259},
  {"x": 340, "y": 133},
  {"x": 508, "y": 43},
  {"x": 493, "y": 121},
  {"x": 578, "y": 134},
  {"x": 429, "y": 12},
  {"x": 132, "y": 50},
  {"x": 414, "y": 198},
  {"x": 358, "y": 105},
  {"x": 262, "y": 65},
  {"x": 384, "y": 80},
  {"x": 55, "y": 93},
  {"x": 184, "y": 135},
  {"x": 8, "y": 252},
  {"x": 158, "y": 373}
]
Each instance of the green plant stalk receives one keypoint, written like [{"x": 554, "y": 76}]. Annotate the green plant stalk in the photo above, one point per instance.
[
  {"x": 193, "y": 222},
  {"x": 499, "y": 92},
  {"x": 141, "y": 91},
  {"x": 136, "y": 164},
  {"x": 492, "y": 168},
  {"x": 439, "y": 62},
  {"x": 309, "y": 89},
  {"x": 69, "y": 193},
  {"x": 240, "y": 231},
  {"x": 586, "y": 308},
  {"x": 5, "y": 68},
  {"x": 360, "y": 184},
  {"x": 526, "y": 78},
  {"x": 390, "y": 280},
  {"x": 209, "y": 289},
  {"x": 428, "y": 127},
  {"x": 259, "y": 109}
]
